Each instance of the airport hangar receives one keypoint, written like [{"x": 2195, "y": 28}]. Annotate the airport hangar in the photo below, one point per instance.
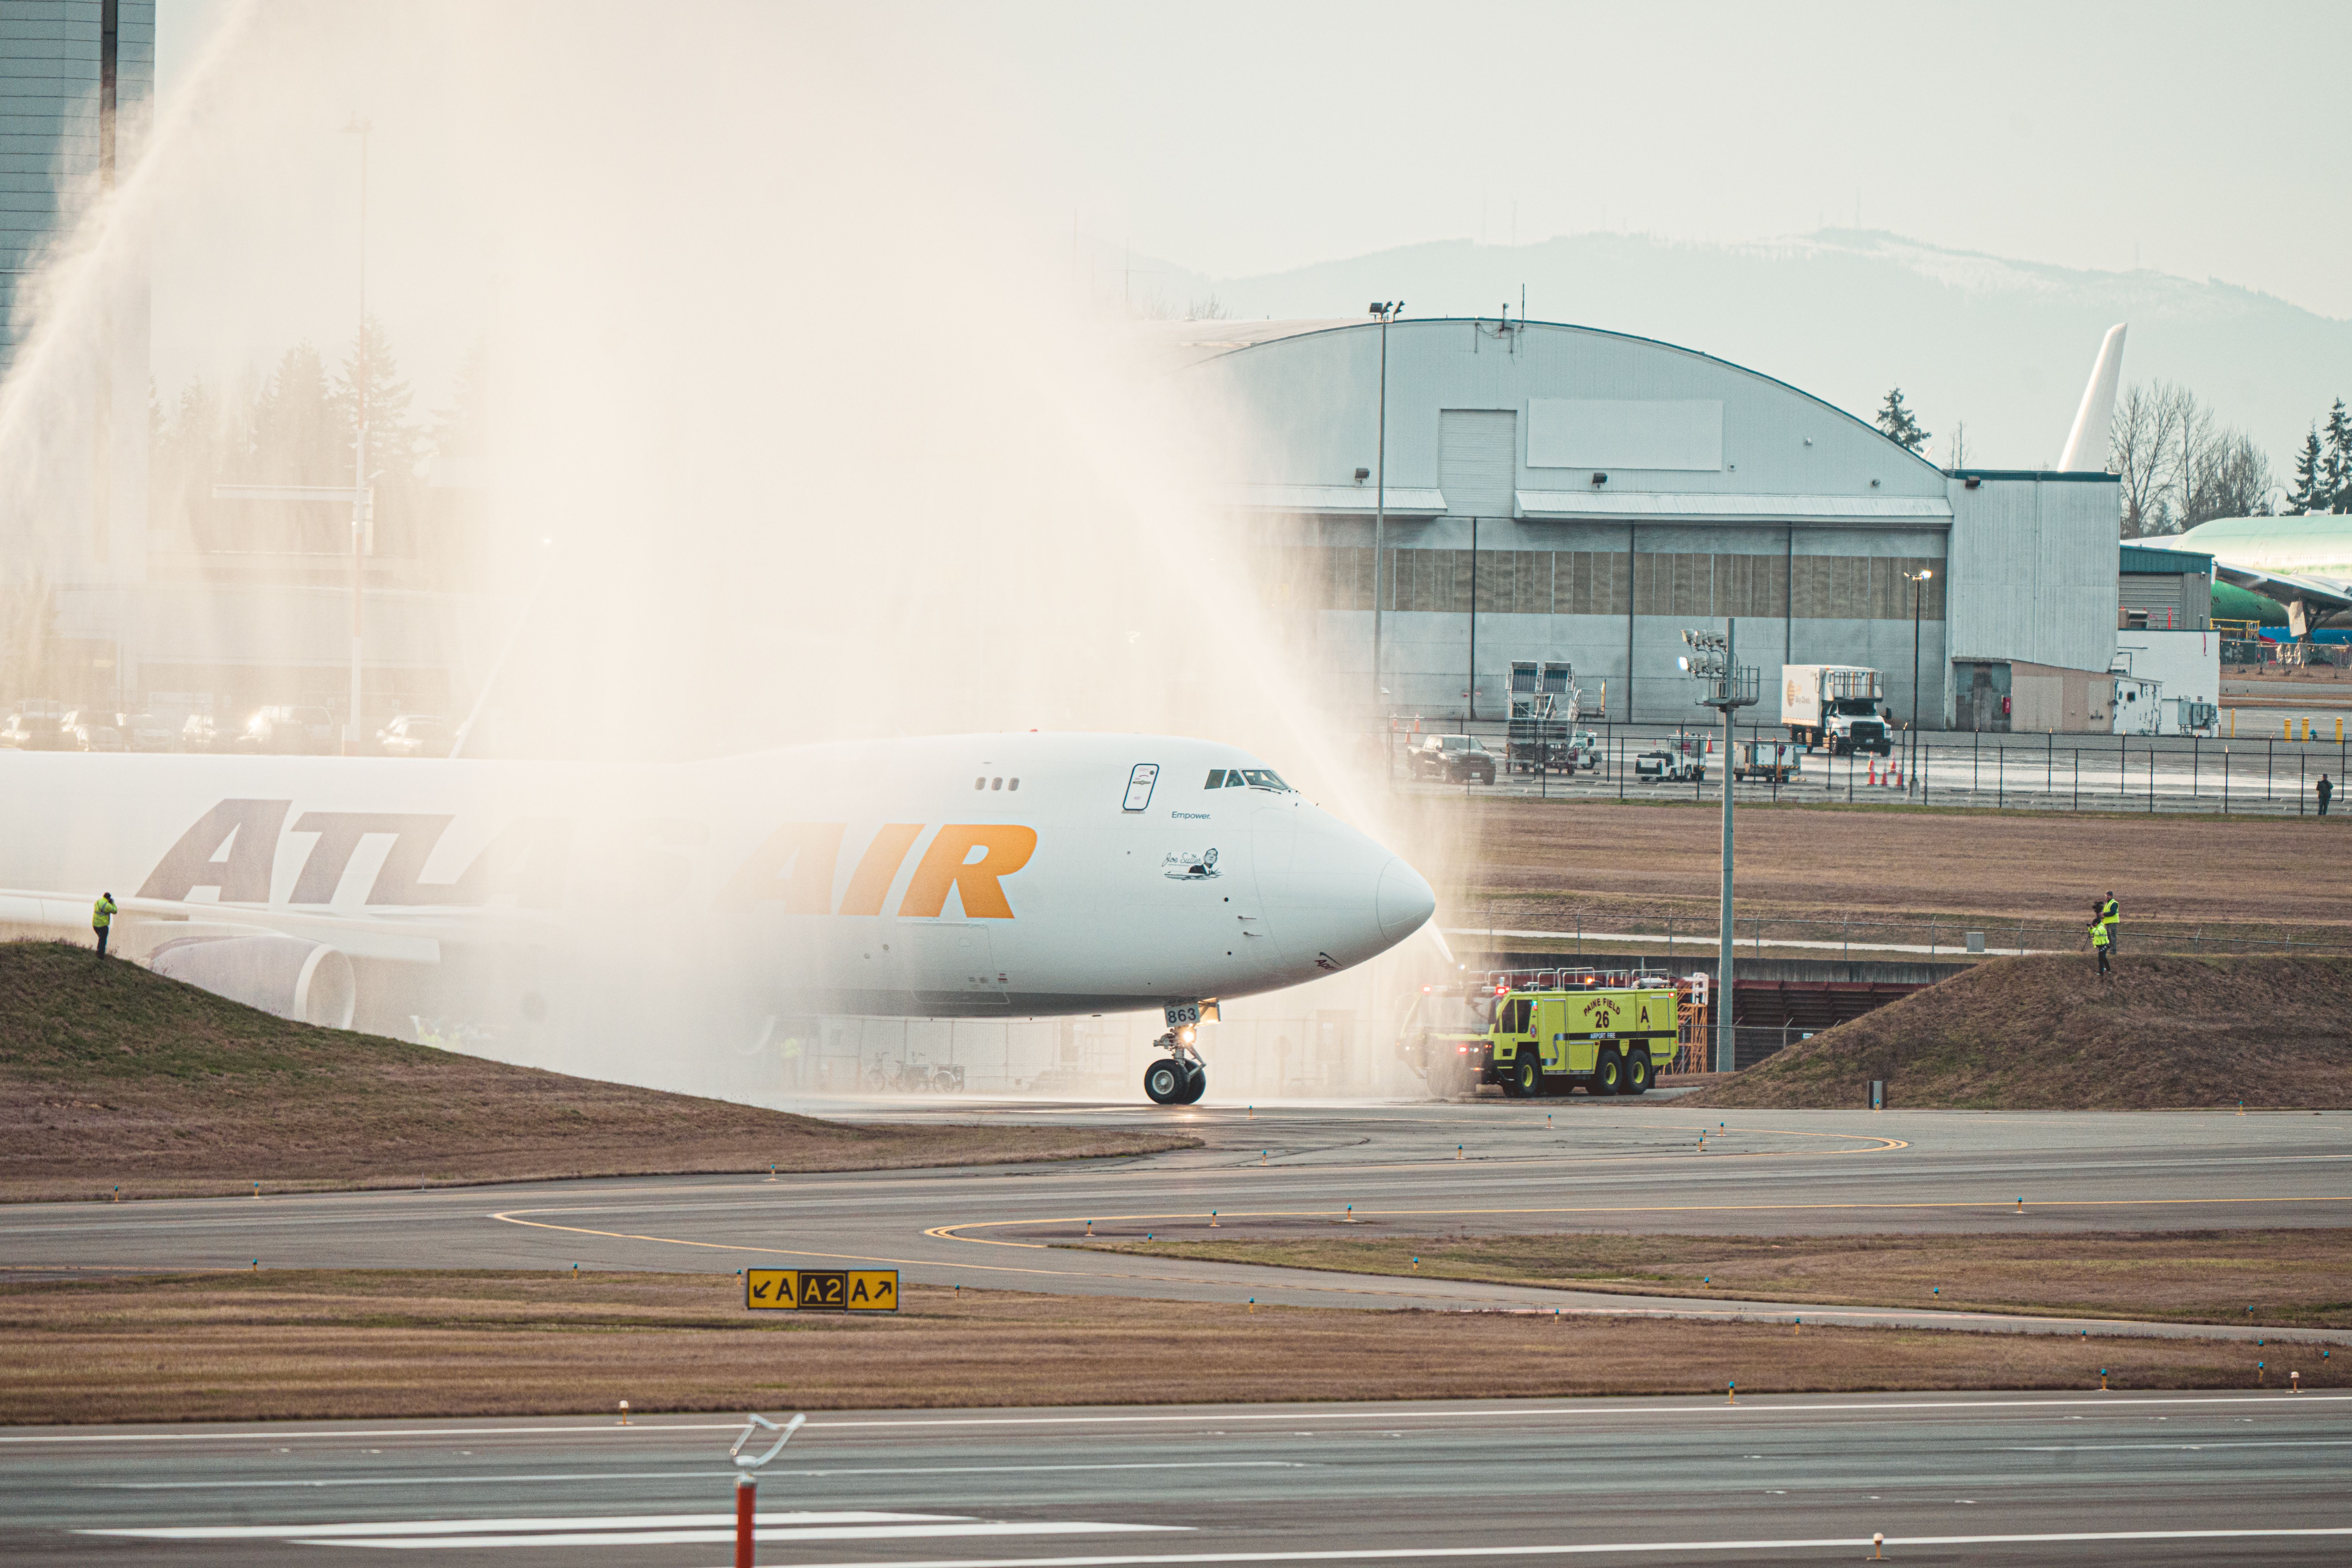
[{"x": 1560, "y": 492}]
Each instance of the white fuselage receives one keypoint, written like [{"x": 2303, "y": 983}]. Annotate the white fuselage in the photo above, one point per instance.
[{"x": 898, "y": 877}]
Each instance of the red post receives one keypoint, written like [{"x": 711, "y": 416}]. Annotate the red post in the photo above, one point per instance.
[{"x": 747, "y": 1491}]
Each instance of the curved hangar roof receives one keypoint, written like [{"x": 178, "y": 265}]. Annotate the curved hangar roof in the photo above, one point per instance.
[{"x": 1609, "y": 427}]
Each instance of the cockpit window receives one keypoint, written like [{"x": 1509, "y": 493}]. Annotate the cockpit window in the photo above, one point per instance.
[
  {"x": 1263, "y": 778},
  {"x": 1216, "y": 779}
]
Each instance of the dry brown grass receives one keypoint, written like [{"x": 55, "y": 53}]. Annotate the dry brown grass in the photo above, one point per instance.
[
  {"x": 1532, "y": 862},
  {"x": 321, "y": 1346},
  {"x": 2049, "y": 1034},
  {"x": 2298, "y": 1279},
  {"x": 110, "y": 1076}
]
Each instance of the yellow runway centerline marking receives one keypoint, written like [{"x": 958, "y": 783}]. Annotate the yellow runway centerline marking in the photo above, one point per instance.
[{"x": 954, "y": 1232}]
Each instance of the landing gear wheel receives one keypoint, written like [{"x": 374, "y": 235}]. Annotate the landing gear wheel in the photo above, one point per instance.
[
  {"x": 1196, "y": 1084},
  {"x": 1166, "y": 1082},
  {"x": 1638, "y": 1072},
  {"x": 1527, "y": 1077},
  {"x": 1607, "y": 1074}
]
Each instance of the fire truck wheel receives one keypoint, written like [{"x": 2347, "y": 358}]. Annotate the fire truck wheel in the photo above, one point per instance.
[
  {"x": 1528, "y": 1078},
  {"x": 1637, "y": 1072},
  {"x": 1165, "y": 1082},
  {"x": 1607, "y": 1074}
]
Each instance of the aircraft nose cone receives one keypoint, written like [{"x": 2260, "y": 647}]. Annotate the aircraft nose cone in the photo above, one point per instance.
[{"x": 1404, "y": 902}]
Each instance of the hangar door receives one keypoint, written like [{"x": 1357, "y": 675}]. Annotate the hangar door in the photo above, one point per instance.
[
  {"x": 1478, "y": 459},
  {"x": 1981, "y": 697}
]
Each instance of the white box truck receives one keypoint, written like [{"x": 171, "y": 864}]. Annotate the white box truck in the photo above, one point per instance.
[{"x": 1839, "y": 706}]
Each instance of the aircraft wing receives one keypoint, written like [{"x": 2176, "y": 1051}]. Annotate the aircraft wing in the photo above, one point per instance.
[{"x": 2313, "y": 599}]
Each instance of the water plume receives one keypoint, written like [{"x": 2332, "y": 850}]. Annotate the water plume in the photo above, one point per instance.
[{"x": 774, "y": 355}]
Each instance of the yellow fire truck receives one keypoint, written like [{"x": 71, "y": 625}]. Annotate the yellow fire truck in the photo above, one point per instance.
[{"x": 1607, "y": 1032}]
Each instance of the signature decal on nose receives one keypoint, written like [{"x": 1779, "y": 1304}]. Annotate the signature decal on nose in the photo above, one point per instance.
[
  {"x": 1324, "y": 960},
  {"x": 1186, "y": 867}
]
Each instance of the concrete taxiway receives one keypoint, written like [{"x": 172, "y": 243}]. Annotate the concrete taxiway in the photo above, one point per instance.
[
  {"x": 1379, "y": 1170},
  {"x": 2116, "y": 1478}
]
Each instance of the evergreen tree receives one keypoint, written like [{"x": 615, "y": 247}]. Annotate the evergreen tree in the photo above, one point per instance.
[
  {"x": 2336, "y": 466},
  {"x": 295, "y": 439},
  {"x": 391, "y": 439},
  {"x": 1901, "y": 426},
  {"x": 2310, "y": 491}
]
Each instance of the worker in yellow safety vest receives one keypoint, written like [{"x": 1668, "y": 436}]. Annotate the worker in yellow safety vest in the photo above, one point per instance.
[
  {"x": 2110, "y": 915},
  {"x": 2101, "y": 943},
  {"x": 101, "y": 916}
]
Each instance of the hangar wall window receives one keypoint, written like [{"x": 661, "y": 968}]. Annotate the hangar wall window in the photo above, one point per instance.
[{"x": 1599, "y": 582}]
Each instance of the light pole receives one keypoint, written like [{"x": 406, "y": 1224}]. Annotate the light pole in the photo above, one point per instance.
[
  {"x": 1715, "y": 660},
  {"x": 1386, "y": 310},
  {"x": 360, "y": 498},
  {"x": 1918, "y": 580}
]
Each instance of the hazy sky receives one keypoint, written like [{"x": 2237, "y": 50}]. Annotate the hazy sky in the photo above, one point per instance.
[{"x": 1245, "y": 137}]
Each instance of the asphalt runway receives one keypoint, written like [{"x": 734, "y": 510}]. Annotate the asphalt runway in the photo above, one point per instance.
[
  {"x": 1489, "y": 1167},
  {"x": 2000, "y": 1479}
]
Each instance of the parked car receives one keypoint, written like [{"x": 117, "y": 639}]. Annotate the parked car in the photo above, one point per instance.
[
  {"x": 1669, "y": 767},
  {"x": 1457, "y": 759},
  {"x": 415, "y": 735},
  {"x": 201, "y": 735},
  {"x": 289, "y": 730},
  {"x": 98, "y": 738},
  {"x": 145, "y": 732},
  {"x": 38, "y": 725}
]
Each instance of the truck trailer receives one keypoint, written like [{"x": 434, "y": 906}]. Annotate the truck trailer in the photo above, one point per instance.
[{"x": 1839, "y": 706}]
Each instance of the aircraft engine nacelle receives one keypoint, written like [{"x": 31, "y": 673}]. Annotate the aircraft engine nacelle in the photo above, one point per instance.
[{"x": 307, "y": 982}]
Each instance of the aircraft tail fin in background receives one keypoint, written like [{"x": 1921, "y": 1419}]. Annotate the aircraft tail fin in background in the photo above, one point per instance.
[{"x": 2087, "y": 444}]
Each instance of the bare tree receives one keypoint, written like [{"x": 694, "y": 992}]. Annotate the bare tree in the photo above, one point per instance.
[
  {"x": 2229, "y": 476},
  {"x": 1209, "y": 310},
  {"x": 2144, "y": 450}
]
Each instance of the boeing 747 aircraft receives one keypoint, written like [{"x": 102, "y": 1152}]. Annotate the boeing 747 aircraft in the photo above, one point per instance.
[{"x": 965, "y": 876}]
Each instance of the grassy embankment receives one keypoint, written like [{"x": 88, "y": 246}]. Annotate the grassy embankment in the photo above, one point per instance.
[
  {"x": 2049, "y": 1034},
  {"x": 383, "y": 1344},
  {"x": 111, "y": 1076}
]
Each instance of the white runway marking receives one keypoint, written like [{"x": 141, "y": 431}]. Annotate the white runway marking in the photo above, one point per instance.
[
  {"x": 1586, "y": 1549},
  {"x": 476, "y": 1526},
  {"x": 703, "y": 1475},
  {"x": 625, "y": 1529}
]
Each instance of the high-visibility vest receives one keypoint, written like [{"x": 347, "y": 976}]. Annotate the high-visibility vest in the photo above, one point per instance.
[
  {"x": 2098, "y": 934},
  {"x": 101, "y": 914},
  {"x": 2108, "y": 913}
]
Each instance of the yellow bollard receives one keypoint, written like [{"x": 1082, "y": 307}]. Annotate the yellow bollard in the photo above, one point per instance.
[
  {"x": 1213, "y": 1219},
  {"x": 2294, "y": 1382},
  {"x": 2258, "y": 1373},
  {"x": 1090, "y": 1227},
  {"x": 1253, "y": 1304},
  {"x": 2020, "y": 1206},
  {"x": 1261, "y": 1156},
  {"x": 256, "y": 1189},
  {"x": 575, "y": 1271},
  {"x": 1416, "y": 1266},
  {"x": 624, "y": 1413},
  {"x": 117, "y": 1193},
  {"x": 1731, "y": 1392},
  {"x": 1457, "y": 1150},
  {"x": 1876, "y": 1541},
  {"x": 1801, "y": 1326},
  {"x": 2287, "y": 727},
  {"x": 2103, "y": 1380}
]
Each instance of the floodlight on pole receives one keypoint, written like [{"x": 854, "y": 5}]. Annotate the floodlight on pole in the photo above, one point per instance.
[
  {"x": 1918, "y": 580},
  {"x": 1729, "y": 687},
  {"x": 1385, "y": 311},
  {"x": 361, "y": 501}
]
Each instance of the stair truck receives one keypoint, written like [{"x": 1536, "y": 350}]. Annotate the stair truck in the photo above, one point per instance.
[
  {"x": 1544, "y": 1033},
  {"x": 1839, "y": 706}
]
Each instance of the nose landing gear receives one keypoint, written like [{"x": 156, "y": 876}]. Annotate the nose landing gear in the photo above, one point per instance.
[{"x": 1181, "y": 1077}]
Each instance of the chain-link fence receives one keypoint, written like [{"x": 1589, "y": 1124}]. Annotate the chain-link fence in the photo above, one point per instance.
[
  {"x": 1697, "y": 940},
  {"x": 2280, "y": 774}
]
